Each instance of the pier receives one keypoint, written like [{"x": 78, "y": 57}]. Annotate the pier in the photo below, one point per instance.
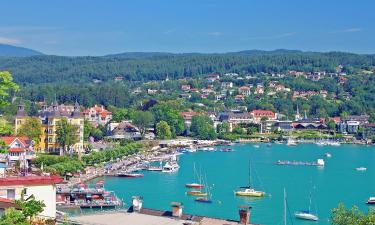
[{"x": 319, "y": 162}]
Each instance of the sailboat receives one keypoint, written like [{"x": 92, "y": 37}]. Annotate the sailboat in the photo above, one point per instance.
[
  {"x": 249, "y": 191},
  {"x": 206, "y": 199},
  {"x": 306, "y": 214},
  {"x": 195, "y": 185}
]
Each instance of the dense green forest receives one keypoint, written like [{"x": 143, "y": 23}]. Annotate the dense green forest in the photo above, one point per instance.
[
  {"x": 144, "y": 67},
  {"x": 91, "y": 79}
]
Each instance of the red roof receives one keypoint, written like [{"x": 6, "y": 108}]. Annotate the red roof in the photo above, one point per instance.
[
  {"x": 30, "y": 180},
  {"x": 9, "y": 140},
  {"x": 261, "y": 112},
  {"x": 16, "y": 150},
  {"x": 6, "y": 200}
]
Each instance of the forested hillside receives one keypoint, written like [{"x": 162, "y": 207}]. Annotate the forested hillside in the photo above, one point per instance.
[{"x": 153, "y": 66}]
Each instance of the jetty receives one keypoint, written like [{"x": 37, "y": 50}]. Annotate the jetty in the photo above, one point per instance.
[{"x": 319, "y": 162}]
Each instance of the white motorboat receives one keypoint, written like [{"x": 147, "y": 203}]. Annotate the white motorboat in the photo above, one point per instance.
[
  {"x": 361, "y": 168},
  {"x": 328, "y": 155},
  {"x": 320, "y": 162},
  {"x": 170, "y": 167},
  {"x": 291, "y": 142},
  {"x": 306, "y": 215},
  {"x": 256, "y": 146}
]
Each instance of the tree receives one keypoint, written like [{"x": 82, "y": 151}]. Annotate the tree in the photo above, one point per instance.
[
  {"x": 170, "y": 115},
  {"x": 223, "y": 128},
  {"x": 372, "y": 117},
  {"x": 32, "y": 128},
  {"x": 343, "y": 216},
  {"x": 238, "y": 130},
  {"x": 6, "y": 86},
  {"x": 14, "y": 217},
  {"x": 66, "y": 135},
  {"x": 143, "y": 120},
  {"x": 5, "y": 127},
  {"x": 202, "y": 127},
  {"x": 163, "y": 130},
  {"x": 331, "y": 125},
  {"x": 30, "y": 207}
]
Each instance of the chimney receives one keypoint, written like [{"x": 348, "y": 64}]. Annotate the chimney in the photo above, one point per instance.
[
  {"x": 176, "y": 209},
  {"x": 137, "y": 203},
  {"x": 244, "y": 212}
]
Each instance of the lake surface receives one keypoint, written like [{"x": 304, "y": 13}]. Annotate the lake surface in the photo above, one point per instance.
[{"x": 337, "y": 182}]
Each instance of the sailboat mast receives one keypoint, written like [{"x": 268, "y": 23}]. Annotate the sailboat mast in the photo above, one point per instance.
[
  {"x": 284, "y": 207},
  {"x": 310, "y": 203},
  {"x": 250, "y": 174}
]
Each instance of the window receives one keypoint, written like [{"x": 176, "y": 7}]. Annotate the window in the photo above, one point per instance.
[{"x": 11, "y": 193}]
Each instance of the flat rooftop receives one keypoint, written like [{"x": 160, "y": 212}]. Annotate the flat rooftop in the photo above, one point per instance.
[{"x": 119, "y": 218}]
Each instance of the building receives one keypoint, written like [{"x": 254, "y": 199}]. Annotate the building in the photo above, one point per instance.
[
  {"x": 244, "y": 90},
  {"x": 43, "y": 188},
  {"x": 185, "y": 87},
  {"x": 124, "y": 130},
  {"x": 226, "y": 85},
  {"x": 188, "y": 116},
  {"x": 18, "y": 147},
  {"x": 235, "y": 118},
  {"x": 213, "y": 77},
  {"x": 258, "y": 114},
  {"x": 49, "y": 118},
  {"x": 97, "y": 115}
]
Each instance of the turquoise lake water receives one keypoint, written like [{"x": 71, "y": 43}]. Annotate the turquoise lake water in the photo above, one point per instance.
[{"x": 337, "y": 182}]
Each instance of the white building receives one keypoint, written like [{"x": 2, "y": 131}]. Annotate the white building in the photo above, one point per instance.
[
  {"x": 43, "y": 188},
  {"x": 98, "y": 115}
]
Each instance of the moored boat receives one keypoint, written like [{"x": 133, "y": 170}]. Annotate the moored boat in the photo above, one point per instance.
[
  {"x": 203, "y": 200},
  {"x": 306, "y": 215},
  {"x": 196, "y": 193},
  {"x": 328, "y": 155},
  {"x": 250, "y": 192},
  {"x": 361, "y": 168},
  {"x": 170, "y": 167},
  {"x": 371, "y": 201},
  {"x": 129, "y": 175},
  {"x": 194, "y": 185}
]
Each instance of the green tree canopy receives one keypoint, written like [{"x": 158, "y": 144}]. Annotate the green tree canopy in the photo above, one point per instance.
[
  {"x": 202, "y": 127},
  {"x": 6, "y": 86},
  {"x": 5, "y": 127},
  {"x": 66, "y": 135},
  {"x": 163, "y": 130},
  {"x": 143, "y": 120},
  {"x": 343, "y": 216},
  {"x": 32, "y": 128}
]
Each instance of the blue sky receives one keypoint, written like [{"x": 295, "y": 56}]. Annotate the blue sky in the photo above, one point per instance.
[{"x": 99, "y": 27}]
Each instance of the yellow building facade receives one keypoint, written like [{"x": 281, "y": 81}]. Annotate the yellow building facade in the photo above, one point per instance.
[{"x": 49, "y": 118}]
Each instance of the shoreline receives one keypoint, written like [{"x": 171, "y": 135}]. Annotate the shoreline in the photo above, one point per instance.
[{"x": 161, "y": 154}]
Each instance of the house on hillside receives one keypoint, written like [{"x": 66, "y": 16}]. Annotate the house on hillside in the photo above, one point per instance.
[
  {"x": 258, "y": 114},
  {"x": 18, "y": 148},
  {"x": 123, "y": 130},
  {"x": 97, "y": 115}
]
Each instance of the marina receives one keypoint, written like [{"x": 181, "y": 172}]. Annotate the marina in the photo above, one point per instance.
[{"x": 159, "y": 189}]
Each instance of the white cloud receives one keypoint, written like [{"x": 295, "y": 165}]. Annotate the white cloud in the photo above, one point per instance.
[
  {"x": 270, "y": 37},
  {"x": 9, "y": 41},
  {"x": 349, "y": 30}
]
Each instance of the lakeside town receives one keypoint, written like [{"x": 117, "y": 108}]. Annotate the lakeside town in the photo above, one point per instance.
[
  {"x": 199, "y": 112},
  {"x": 53, "y": 152}
]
